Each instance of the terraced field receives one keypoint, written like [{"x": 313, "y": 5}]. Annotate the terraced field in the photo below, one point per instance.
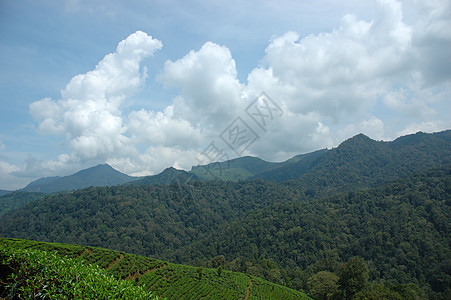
[{"x": 170, "y": 281}]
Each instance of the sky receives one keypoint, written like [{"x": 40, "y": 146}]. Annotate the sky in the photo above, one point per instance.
[{"x": 145, "y": 85}]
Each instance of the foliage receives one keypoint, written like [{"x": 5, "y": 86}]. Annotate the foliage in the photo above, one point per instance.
[
  {"x": 353, "y": 276},
  {"x": 376, "y": 291},
  {"x": 354, "y": 200},
  {"x": 165, "y": 279},
  {"x": 323, "y": 285},
  {"x": 17, "y": 199},
  {"x": 402, "y": 230},
  {"x": 38, "y": 274}
]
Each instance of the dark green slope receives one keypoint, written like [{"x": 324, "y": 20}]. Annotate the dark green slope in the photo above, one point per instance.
[
  {"x": 17, "y": 199},
  {"x": 4, "y": 192},
  {"x": 361, "y": 162},
  {"x": 293, "y": 168},
  {"x": 357, "y": 162},
  {"x": 149, "y": 220},
  {"x": 100, "y": 175},
  {"x": 402, "y": 230},
  {"x": 236, "y": 169}
]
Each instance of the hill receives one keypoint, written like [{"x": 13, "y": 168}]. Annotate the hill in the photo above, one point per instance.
[
  {"x": 100, "y": 175},
  {"x": 168, "y": 176},
  {"x": 248, "y": 167},
  {"x": 401, "y": 229},
  {"x": 17, "y": 199},
  {"x": 262, "y": 228},
  {"x": 235, "y": 169},
  {"x": 293, "y": 168},
  {"x": 361, "y": 162},
  {"x": 4, "y": 192},
  {"x": 377, "y": 200},
  {"x": 357, "y": 162},
  {"x": 165, "y": 279}
]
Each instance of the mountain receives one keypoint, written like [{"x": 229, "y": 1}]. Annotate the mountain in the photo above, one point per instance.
[
  {"x": 248, "y": 167},
  {"x": 386, "y": 202},
  {"x": 357, "y": 162},
  {"x": 293, "y": 168},
  {"x": 235, "y": 169},
  {"x": 168, "y": 176},
  {"x": 361, "y": 162},
  {"x": 100, "y": 175}
]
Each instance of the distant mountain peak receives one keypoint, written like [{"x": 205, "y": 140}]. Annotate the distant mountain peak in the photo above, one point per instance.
[{"x": 99, "y": 175}]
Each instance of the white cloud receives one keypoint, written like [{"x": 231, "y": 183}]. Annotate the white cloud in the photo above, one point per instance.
[
  {"x": 162, "y": 128},
  {"x": 432, "y": 41},
  {"x": 381, "y": 77},
  {"x": 373, "y": 127},
  {"x": 210, "y": 92},
  {"x": 340, "y": 72},
  {"x": 7, "y": 179},
  {"x": 89, "y": 113},
  {"x": 425, "y": 126}
]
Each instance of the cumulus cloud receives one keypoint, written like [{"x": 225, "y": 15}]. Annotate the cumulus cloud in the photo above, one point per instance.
[
  {"x": 432, "y": 41},
  {"x": 163, "y": 128},
  {"x": 329, "y": 86},
  {"x": 89, "y": 113},
  {"x": 344, "y": 74},
  {"x": 210, "y": 92},
  {"x": 7, "y": 179},
  {"x": 339, "y": 72}
]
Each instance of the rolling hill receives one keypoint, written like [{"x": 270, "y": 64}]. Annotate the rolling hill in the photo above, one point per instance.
[{"x": 164, "y": 279}]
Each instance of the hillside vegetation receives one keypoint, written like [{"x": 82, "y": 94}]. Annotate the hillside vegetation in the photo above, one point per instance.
[
  {"x": 386, "y": 203},
  {"x": 82, "y": 272},
  {"x": 37, "y": 274}
]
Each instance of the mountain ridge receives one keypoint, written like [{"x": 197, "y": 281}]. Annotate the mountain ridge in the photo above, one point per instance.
[
  {"x": 99, "y": 175},
  {"x": 247, "y": 167},
  {"x": 361, "y": 197}
]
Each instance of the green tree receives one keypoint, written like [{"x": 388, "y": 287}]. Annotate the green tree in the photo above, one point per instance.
[
  {"x": 200, "y": 272},
  {"x": 353, "y": 276},
  {"x": 323, "y": 285},
  {"x": 217, "y": 261}
]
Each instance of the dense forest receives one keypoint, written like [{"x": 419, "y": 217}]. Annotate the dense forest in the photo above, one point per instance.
[
  {"x": 401, "y": 230},
  {"x": 381, "y": 207}
]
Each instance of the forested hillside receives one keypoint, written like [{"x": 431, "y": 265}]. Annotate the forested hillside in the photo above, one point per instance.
[
  {"x": 387, "y": 203},
  {"x": 361, "y": 162},
  {"x": 402, "y": 229},
  {"x": 357, "y": 162},
  {"x": 17, "y": 199},
  {"x": 150, "y": 220}
]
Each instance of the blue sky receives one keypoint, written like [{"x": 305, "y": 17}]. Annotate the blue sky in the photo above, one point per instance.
[{"x": 144, "y": 85}]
